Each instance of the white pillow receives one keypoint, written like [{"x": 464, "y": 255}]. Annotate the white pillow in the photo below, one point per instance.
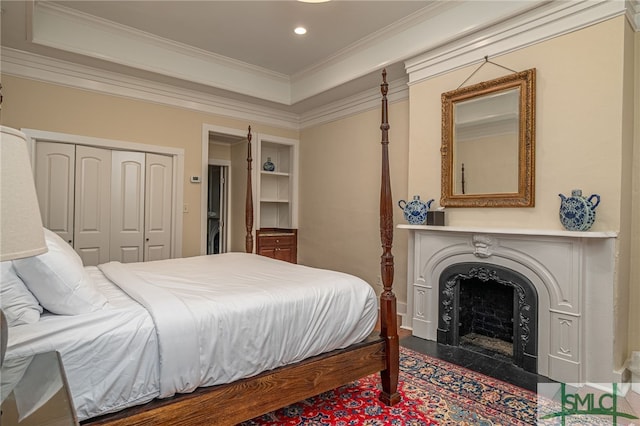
[
  {"x": 58, "y": 280},
  {"x": 17, "y": 302}
]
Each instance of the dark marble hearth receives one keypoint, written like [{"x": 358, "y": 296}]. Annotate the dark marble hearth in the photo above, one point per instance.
[{"x": 477, "y": 359}]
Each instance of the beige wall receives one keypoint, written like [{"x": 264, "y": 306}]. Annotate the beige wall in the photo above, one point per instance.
[
  {"x": 583, "y": 138},
  {"x": 43, "y": 106},
  {"x": 340, "y": 193},
  {"x": 579, "y": 96},
  {"x": 634, "y": 291},
  {"x": 219, "y": 151}
]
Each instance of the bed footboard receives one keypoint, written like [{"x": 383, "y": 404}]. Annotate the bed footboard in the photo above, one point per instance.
[{"x": 245, "y": 399}]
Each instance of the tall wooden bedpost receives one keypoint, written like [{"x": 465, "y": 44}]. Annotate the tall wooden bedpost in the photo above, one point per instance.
[
  {"x": 388, "y": 311},
  {"x": 248, "y": 213}
]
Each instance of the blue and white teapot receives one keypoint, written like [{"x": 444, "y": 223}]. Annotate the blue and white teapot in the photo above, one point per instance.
[
  {"x": 415, "y": 212},
  {"x": 578, "y": 213}
]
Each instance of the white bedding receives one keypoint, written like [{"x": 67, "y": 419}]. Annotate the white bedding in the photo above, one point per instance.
[{"x": 246, "y": 314}]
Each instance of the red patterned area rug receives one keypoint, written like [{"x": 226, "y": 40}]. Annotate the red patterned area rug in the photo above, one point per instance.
[{"x": 434, "y": 392}]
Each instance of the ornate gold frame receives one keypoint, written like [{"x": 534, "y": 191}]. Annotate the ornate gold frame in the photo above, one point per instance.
[{"x": 525, "y": 197}]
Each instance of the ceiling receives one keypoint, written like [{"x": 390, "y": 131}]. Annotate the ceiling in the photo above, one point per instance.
[
  {"x": 243, "y": 35},
  {"x": 259, "y": 33}
]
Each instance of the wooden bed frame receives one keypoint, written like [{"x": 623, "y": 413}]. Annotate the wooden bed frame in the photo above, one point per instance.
[{"x": 245, "y": 399}]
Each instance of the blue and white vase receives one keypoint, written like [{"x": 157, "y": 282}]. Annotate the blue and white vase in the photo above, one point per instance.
[
  {"x": 578, "y": 213},
  {"x": 268, "y": 165},
  {"x": 415, "y": 212}
]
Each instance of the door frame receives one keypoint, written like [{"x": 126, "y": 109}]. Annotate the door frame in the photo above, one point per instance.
[
  {"x": 228, "y": 131},
  {"x": 177, "y": 155}
]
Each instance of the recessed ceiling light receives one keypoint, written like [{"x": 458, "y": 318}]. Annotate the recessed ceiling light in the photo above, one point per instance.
[
  {"x": 300, "y": 30},
  {"x": 314, "y": 1}
]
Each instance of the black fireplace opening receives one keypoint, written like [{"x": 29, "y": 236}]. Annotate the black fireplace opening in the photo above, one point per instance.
[
  {"x": 489, "y": 308},
  {"x": 486, "y": 316}
]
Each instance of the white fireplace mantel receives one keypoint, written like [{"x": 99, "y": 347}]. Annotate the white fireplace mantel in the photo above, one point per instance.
[{"x": 574, "y": 276}]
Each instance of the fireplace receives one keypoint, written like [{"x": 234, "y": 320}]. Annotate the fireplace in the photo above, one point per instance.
[
  {"x": 490, "y": 307},
  {"x": 561, "y": 284}
]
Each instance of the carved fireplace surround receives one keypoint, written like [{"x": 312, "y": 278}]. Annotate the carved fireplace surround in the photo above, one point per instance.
[{"x": 573, "y": 274}]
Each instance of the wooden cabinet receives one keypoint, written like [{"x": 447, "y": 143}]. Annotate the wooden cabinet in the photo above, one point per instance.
[{"x": 281, "y": 244}]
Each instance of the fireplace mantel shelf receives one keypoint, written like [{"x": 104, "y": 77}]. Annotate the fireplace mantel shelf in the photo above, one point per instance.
[{"x": 513, "y": 231}]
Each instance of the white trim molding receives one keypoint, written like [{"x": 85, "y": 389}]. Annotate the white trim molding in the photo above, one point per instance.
[
  {"x": 550, "y": 20},
  {"x": 41, "y": 68},
  {"x": 364, "y": 101}
]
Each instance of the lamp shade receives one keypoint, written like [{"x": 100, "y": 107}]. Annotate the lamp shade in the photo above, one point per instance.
[{"x": 21, "y": 233}]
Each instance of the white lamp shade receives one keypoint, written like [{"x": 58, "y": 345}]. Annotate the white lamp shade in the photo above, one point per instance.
[{"x": 21, "y": 233}]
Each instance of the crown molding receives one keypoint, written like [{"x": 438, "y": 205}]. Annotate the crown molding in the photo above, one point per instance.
[
  {"x": 364, "y": 101},
  {"x": 41, "y": 68},
  {"x": 58, "y": 27},
  {"x": 550, "y": 20}
]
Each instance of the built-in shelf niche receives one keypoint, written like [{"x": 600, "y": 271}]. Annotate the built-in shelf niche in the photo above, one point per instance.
[{"x": 277, "y": 190}]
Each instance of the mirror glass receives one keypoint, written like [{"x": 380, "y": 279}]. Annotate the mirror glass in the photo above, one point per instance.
[{"x": 488, "y": 143}]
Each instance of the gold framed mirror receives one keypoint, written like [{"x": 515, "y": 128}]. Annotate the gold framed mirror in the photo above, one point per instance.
[{"x": 488, "y": 143}]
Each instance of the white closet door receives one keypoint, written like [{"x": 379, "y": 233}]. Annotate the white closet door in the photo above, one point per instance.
[
  {"x": 158, "y": 192},
  {"x": 93, "y": 204},
  {"x": 55, "y": 186},
  {"x": 127, "y": 206}
]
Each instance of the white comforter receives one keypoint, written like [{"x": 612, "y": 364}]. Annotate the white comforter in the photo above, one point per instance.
[{"x": 206, "y": 320}]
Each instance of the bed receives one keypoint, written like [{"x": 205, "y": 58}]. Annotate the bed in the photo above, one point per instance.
[{"x": 217, "y": 339}]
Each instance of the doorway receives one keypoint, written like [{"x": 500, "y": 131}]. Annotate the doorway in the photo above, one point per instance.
[
  {"x": 217, "y": 208},
  {"x": 226, "y": 147}
]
